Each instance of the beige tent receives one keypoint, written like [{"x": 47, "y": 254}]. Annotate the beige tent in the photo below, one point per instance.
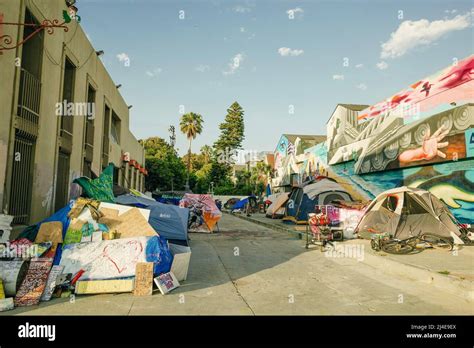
[
  {"x": 405, "y": 212},
  {"x": 276, "y": 210}
]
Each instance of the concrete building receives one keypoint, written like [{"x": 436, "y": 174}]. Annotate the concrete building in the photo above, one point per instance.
[{"x": 61, "y": 114}]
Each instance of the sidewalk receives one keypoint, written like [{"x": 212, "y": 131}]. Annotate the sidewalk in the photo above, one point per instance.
[{"x": 450, "y": 271}]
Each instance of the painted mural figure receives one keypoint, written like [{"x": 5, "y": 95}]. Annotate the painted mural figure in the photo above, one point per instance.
[{"x": 429, "y": 149}]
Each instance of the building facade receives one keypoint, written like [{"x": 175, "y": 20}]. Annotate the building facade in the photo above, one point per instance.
[
  {"x": 61, "y": 114},
  {"x": 422, "y": 136},
  {"x": 290, "y": 162}
]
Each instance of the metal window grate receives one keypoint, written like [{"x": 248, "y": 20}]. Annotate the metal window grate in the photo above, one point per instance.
[
  {"x": 21, "y": 183},
  {"x": 29, "y": 97}
]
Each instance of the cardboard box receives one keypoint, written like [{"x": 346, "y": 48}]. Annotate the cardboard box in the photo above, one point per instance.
[{"x": 181, "y": 259}]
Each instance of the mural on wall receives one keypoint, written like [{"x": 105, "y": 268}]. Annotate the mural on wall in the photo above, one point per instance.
[
  {"x": 420, "y": 137},
  {"x": 291, "y": 161},
  {"x": 425, "y": 124},
  {"x": 451, "y": 182},
  {"x": 454, "y": 83}
]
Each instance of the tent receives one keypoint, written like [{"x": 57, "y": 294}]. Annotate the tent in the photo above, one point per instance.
[
  {"x": 304, "y": 198},
  {"x": 404, "y": 212},
  {"x": 167, "y": 220},
  {"x": 240, "y": 205},
  {"x": 230, "y": 203},
  {"x": 203, "y": 209},
  {"x": 276, "y": 210},
  {"x": 268, "y": 190}
]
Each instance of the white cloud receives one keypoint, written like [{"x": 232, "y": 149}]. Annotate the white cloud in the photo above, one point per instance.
[
  {"x": 358, "y": 66},
  {"x": 362, "y": 86},
  {"x": 285, "y": 52},
  {"x": 241, "y": 9},
  {"x": 234, "y": 64},
  {"x": 411, "y": 34},
  {"x": 382, "y": 65},
  {"x": 451, "y": 11},
  {"x": 123, "y": 57},
  {"x": 338, "y": 77},
  {"x": 203, "y": 68},
  {"x": 242, "y": 29},
  {"x": 154, "y": 72},
  {"x": 297, "y": 11}
]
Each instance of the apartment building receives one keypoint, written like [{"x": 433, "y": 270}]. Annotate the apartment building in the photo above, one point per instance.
[{"x": 61, "y": 114}]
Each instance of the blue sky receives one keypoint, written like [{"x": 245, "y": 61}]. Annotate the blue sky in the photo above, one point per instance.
[{"x": 254, "y": 53}]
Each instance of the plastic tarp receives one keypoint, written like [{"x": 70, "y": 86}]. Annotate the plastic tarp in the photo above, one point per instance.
[
  {"x": 277, "y": 208},
  {"x": 100, "y": 189},
  {"x": 210, "y": 212},
  {"x": 240, "y": 204},
  {"x": 167, "y": 220},
  {"x": 135, "y": 201},
  {"x": 61, "y": 215},
  {"x": 117, "y": 258},
  {"x": 170, "y": 221}
]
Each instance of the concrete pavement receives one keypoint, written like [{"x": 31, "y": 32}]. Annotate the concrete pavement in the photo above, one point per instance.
[{"x": 248, "y": 269}]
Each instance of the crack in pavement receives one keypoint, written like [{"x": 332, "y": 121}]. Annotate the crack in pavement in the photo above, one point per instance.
[{"x": 230, "y": 278}]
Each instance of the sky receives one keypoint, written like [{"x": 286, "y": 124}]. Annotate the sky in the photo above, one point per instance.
[{"x": 287, "y": 63}]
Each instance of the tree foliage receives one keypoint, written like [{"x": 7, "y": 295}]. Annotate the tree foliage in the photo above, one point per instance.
[
  {"x": 191, "y": 126},
  {"x": 232, "y": 129},
  {"x": 166, "y": 171}
]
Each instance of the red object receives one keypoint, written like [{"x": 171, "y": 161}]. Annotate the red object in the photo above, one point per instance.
[
  {"x": 136, "y": 165},
  {"x": 77, "y": 276}
]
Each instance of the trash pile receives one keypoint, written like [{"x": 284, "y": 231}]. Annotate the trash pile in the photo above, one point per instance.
[{"x": 97, "y": 244}]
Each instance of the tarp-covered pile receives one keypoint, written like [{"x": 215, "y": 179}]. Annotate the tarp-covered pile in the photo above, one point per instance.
[{"x": 94, "y": 245}]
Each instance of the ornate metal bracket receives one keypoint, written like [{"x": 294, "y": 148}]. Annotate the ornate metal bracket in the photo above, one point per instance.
[{"x": 6, "y": 41}]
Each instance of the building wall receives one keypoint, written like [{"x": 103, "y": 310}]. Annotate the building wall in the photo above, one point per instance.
[
  {"x": 89, "y": 70},
  {"x": 420, "y": 137}
]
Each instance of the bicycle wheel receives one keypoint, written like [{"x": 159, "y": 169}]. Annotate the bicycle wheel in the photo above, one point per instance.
[
  {"x": 437, "y": 242},
  {"x": 397, "y": 247},
  {"x": 374, "y": 245}
]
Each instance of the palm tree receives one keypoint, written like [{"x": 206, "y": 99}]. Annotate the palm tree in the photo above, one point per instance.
[
  {"x": 206, "y": 152},
  {"x": 191, "y": 126},
  {"x": 261, "y": 173}
]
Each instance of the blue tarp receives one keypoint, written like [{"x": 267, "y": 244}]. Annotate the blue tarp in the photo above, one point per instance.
[
  {"x": 61, "y": 215},
  {"x": 158, "y": 252},
  {"x": 167, "y": 220},
  {"x": 268, "y": 190},
  {"x": 135, "y": 201},
  {"x": 240, "y": 204}
]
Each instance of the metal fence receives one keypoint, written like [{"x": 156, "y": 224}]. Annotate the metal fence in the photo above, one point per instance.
[
  {"x": 29, "y": 97},
  {"x": 26, "y": 132},
  {"x": 22, "y": 172}
]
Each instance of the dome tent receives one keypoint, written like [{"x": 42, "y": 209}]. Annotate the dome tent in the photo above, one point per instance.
[
  {"x": 304, "y": 198},
  {"x": 406, "y": 212}
]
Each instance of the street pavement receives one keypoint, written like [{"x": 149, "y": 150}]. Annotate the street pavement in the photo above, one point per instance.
[{"x": 248, "y": 269}]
